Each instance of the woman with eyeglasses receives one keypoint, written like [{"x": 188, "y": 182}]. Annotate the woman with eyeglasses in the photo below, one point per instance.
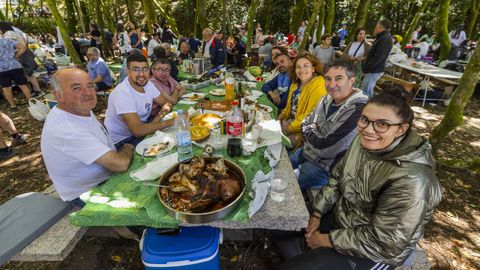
[
  {"x": 379, "y": 197},
  {"x": 306, "y": 89}
]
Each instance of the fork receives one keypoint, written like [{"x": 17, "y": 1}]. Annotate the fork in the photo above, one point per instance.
[{"x": 143, "y": 153}]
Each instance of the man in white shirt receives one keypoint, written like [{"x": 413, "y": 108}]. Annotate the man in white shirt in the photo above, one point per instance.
[
  {"x": 76, "y": 147},
  {"x": 153, "y": 43},
  {"x": 130, "y": 105},
  {"x": 208, "y": 37}
]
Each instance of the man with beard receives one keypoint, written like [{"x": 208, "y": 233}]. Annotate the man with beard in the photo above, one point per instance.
[
  {"x": 277, "y": 88},
  {"x": 329, "y": 129},
  {"x": 76, "y": 147},
  {"x": 130, "y": 105}
]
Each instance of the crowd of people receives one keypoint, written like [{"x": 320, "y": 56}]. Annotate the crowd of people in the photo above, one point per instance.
[{"x": 374, "y": 172}]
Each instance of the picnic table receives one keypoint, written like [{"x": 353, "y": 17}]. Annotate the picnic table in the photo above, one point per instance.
[
  {"x": 429, "y": 72},
  {"x": 121, "y": 201}
]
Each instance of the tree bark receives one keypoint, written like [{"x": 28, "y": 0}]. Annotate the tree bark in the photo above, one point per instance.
[
  {"x": 268, "y": 23},
  {"x": 251, "y": 17},
  {"x": 360, "y": 19},
  {"x": 110, "y": 24},
  {"x": 101, "y": 27},
  {"x": 414, "y": 23},
  {"x": 454, "y": 113},
  {"x": 321, "y": 20},
  {"x": 80, "y": 15},
  {"x": 442, "y": 29},
  {"x": 330, "y": 17},
  {"x": 298, "y": 11},
  {"x": 131, "y": 11},
  {"x": 71, "y": 18},
  {"x": 86, "y": 14},
  {"x": 167, "y": 16},
  {"x": 472, "y": 15},
  {"x": 149, "y": 14},
  {"x": 316, "y": 9},
  {"x": 64, "y": 32},
  {"x": 2, "y": 17},
  {"x": 202, "y": 14}
]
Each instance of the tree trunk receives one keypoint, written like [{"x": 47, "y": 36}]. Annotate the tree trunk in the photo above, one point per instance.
[
  {"x": 269, "y": 15},
  {"x": 330, "y": 17},
  {"x": 131, "y": 11},
  {"x": 2, "y": 17},
  {"x": 442, "y": 29},
  {"x": 321, "y": 20},
  {"x": 86, "y": 14},
  {"x": 454, "y": 113},
  {"x": 80, "y": 15},
  {"x": 101, "y": 27},
  {"x": 414, "y": 23},
  {"x": 472, "y": 15},
  {"x": 225, "y": 23},
  {"x": 108, "y": 16},
  {"x": 202, "y": 14},
  {"x": 71, "y": 18},
  {"x": 316, "y": 9},
  {"x": 149, "y": 14},
  {"x": 167, "y": 16},
  {"x": 251, "y": 17},
  {"x": 64, "y": 32},
  {"x": 360, "y": 19},
  {"x": 297, "y": 16}
]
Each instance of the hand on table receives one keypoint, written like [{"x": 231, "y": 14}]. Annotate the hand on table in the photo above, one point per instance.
[
  {"x": 313, "y": 226},
  {"x": 285, "y": 127},
  {"x": 275, "y": 97}
]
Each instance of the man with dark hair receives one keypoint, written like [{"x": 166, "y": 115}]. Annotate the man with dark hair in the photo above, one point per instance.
[
  {"x": 237, "y": 52},
  {"x": 130, "y": 105},
  {"x": 374, "y": 64},
  {"x": 330, "y": 128},
  {"x": 277, "y": 88},
  {"x": 164, "y": 82}
]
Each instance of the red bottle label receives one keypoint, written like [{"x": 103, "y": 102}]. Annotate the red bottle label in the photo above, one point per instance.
[{"x": 234, "y": 129}]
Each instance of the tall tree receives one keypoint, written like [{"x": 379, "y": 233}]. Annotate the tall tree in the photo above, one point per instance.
[
  {"x": 80, "y": 15},
  {"x": 306, "y": 35},
  {"x": 165, "y": 13},
  {"x": 298, "y": 12},
  {"x": 472, "y": 16},
  {"x": 64, "y": 32},
  {"x": 251, "y": 17},
  {"x": 269, "y": 15},
  {"x": 131, "y": 11},
  {"x": 321, "y": 20},
  {"x": 149, "y": 14},
  {"x": 360, "y": 18},
  {"x": 70, "y": 16},
  {"x": 110, "y": 23},
  {"x": 414, "y": 23},
  {"x": 101, "y": 26},
  {"x": 2, "y": 17},
  {"x": 454, "y": 113},
  {"x": 442, "y": 29},
  {"x": 330, "y": 16}
]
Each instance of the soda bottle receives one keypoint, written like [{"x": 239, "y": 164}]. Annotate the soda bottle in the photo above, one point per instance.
[
  {"x": 229, "y": 86},
  {"x": 234, "y": 130},
  {"x": 184, "y": 140}
]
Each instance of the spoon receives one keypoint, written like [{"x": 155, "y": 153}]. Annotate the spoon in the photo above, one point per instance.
[{"x": 155, "y": 185}]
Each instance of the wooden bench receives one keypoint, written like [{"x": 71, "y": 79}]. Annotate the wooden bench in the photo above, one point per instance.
[
  {"x": 419, "y": 259},
  {"x": 408, "y": 86},
  {"x": 56, "y": 243}
]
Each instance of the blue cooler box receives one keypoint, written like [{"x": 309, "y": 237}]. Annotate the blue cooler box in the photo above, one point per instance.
[{"x": 193, "y": 248}]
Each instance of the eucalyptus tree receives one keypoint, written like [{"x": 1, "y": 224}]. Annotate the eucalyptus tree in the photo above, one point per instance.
[
  {"x": 442, "y": 29},
  {"x": 413, "y": 25}
]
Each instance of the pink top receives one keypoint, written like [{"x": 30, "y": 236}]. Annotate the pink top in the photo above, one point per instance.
[{"x": 166, "y": 89}]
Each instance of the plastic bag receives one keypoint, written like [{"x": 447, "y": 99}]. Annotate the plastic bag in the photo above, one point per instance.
[{"x": 38, "y": 109}]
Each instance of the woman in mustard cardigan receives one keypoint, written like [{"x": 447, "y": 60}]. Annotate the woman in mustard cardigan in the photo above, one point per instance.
[{"x": 307, "y": 87}]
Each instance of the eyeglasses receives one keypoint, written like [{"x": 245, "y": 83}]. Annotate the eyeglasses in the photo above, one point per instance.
[
  {"x": 380, "y": 126},
  {"x": 162, "y": 70},
  {"x": 139, "y": 69},
  {"x": 303, "y": 67}
]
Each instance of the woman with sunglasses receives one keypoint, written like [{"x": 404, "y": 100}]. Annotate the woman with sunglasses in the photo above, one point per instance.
[
  {"x": 307, "y": 87},
  {"x": 379, "y": 197}
]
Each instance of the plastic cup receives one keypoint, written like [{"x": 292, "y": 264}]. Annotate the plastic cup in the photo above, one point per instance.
[{"x": 277, "y": 191}]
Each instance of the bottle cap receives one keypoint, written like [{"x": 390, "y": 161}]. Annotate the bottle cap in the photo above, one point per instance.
[
  {"x": 180, "y": 111},
  {"x": 235, "y": 102}
]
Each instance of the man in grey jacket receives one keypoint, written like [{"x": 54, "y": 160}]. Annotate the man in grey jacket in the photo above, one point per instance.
[{"x": 330, "y": 128}]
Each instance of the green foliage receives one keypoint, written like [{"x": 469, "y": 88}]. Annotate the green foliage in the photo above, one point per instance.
[
  {"x": 298, "y": 15},
  {"x": 37, "y": 25}
]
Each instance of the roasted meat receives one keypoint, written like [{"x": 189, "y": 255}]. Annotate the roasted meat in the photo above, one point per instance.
[{"x": 199, "y": 187}]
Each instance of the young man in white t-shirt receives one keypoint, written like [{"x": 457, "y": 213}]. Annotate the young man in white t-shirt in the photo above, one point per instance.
[
  {"x": 76, "y": 147},
  {"x": 130, "y": 105}
]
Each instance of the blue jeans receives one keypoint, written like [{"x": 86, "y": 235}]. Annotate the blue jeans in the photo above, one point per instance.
[
  {"x": 369, "y": 81},
  {"x": 311, "y": 176}
]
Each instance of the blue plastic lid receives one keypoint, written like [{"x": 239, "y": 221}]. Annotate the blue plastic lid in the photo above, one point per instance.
[
  {"x": 179, "y": 111},
  {"x": 191, "y": 244}
]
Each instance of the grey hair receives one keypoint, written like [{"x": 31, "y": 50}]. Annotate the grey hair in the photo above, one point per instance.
[
  {"x": 340, "y": 63},
  {"x": 56, "y": 84},
  {"x": 94, "y": 50}
]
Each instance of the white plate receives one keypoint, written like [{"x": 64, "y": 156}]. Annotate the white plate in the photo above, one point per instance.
[
  {"x": 169, "y": 116},
  {"x": 256, "y": 93},
  {"x": 263, "y": 108},
  {"x": 218, "y": 92},
  {"x": 189, "y": 96},
  {"x": 154, "y": 140}
]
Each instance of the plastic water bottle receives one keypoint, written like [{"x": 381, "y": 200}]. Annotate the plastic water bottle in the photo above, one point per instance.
[{"x": 184, "y": 140}]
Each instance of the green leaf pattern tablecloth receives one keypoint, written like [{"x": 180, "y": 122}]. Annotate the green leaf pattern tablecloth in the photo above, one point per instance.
[{"x": 121, "y": 201}]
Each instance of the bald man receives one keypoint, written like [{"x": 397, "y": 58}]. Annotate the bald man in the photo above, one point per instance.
[{"x": 76, "y": 148}]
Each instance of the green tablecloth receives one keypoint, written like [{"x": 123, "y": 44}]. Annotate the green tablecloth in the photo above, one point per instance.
[{"x": 121, "y": 201}]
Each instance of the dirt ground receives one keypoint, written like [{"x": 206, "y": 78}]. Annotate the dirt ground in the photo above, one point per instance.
[{"x": 452, "y": 239}]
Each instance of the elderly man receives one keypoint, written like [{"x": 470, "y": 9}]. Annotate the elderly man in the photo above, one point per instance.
[
  {"x": 213, "y": 48},
  {"x": 165, "y": 83},
  {"x": 374, "y": 65},
  {"x": 329, "y": 129},
  {"x": 277, "y": 88},
  {"x": 131, "y": 102},
  {"x": 76, "y": 148},
  {"x": 98, "y": 70}
]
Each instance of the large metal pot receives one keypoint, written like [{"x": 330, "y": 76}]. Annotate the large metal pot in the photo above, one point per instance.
[{"x": 198, "y": 218}]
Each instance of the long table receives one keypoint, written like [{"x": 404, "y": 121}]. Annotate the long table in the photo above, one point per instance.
[{"x": 290, "y": 215}]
